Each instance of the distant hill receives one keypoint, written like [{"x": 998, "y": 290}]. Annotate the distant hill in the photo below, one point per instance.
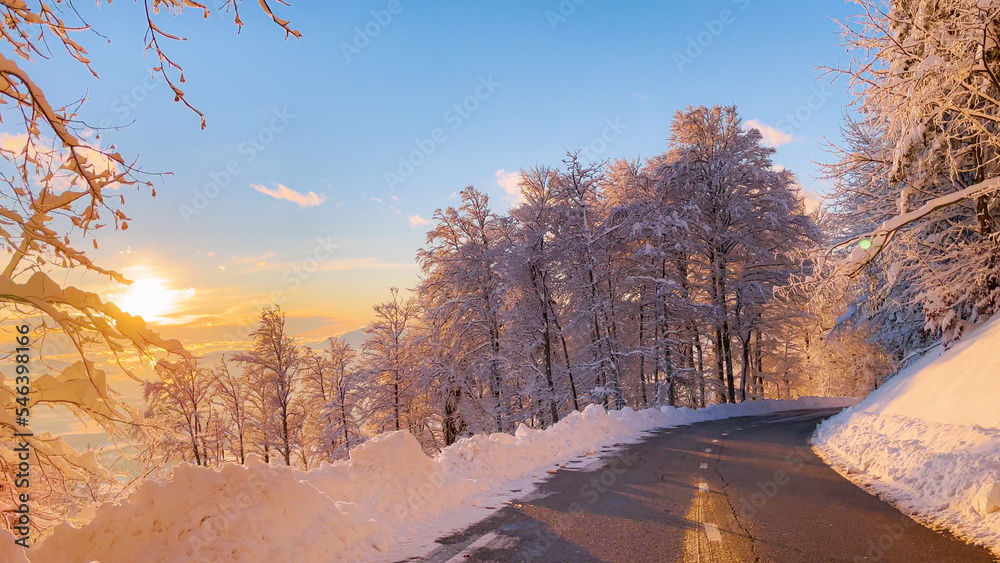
[{"x": 355, "y": 338}]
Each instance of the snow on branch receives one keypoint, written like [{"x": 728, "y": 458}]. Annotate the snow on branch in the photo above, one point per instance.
[{"x": 872, "y": 244}]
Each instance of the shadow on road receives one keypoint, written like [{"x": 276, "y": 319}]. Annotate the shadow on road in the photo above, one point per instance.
[{"x": 742, "y": 489}]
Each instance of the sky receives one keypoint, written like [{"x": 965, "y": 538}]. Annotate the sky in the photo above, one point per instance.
[{"x": 325, "y": 158}]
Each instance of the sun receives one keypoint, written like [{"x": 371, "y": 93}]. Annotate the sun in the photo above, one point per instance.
[{"x": 149, "y": 298}]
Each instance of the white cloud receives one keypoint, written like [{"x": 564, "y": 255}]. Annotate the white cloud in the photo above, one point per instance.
[
  {"x": 812, "y": 200},
  {"x": 13, "y": 143},
  {"x": 417, "y": 220},
  {"x": 510, "y": 182},
  {"x": 342, "y": 265},
  {"x": 772, "y": 137},
  {"x": 311, "y": 199},
  {"x": 253, "y": 259},
  {"x": 811, "y": 197}
]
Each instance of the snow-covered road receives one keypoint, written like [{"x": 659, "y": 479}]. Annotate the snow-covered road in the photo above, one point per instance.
[{"x": 742, "y": 489}]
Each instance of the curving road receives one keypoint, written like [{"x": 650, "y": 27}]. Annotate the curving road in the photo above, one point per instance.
[{"x": 743, "y": 489}]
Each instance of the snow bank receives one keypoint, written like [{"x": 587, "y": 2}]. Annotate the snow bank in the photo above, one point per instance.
[
  {"x": 9, "y": 551},
  {"x": 366, "y": 508},
  {"x": 236, "y": 513},
  {"x": 929, "y": 439}
]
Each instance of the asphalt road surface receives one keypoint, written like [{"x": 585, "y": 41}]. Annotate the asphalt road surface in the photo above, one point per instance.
[{"x": 743, "y": 489}]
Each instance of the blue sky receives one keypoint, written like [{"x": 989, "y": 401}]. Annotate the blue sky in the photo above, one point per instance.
[{"x": 317, "y": 120}]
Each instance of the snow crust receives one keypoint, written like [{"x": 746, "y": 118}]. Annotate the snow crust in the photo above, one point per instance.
[
  {"x": 928, "y": 440},
  {"x": 390, "y": 500}
]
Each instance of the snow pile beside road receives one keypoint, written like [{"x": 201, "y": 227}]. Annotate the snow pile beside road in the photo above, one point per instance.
[
  {"x": 929, "y": 439},
  {"x": 236, "y": 513},
  {"x": 358, "y": 509}
]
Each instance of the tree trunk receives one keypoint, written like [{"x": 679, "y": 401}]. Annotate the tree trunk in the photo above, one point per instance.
[
  {"x": 287, "y": 449},
  {"x": 726, "y": 336},
  {"x": 759, "y": 377},
  {"x": 343, "y": 419},
  {"x": 565, "y": 349},
  {"x": 642, "y": 354},
  {"x": 727, "y": 341},
  {"x": 987, "y": 228},
  {"x": 668, "y": 366},
  {"x": 453, "y": 424},
  {"x": 548, "y": 365},
  {"x": 701, "y": 367},
  {"x": 194, "y": 440},
  {"x": 720, "y": 369},
  {"x": 718, "y": 299},
  {"x": 745, "y": 368},
  {"x": 395, "y": 398},
  {"x": 496, "y": 378}
]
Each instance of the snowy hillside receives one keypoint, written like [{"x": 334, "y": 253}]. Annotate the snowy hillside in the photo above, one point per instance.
[
  {"x": 929, "y": 440},
  {"x": 389, "y": 501}
]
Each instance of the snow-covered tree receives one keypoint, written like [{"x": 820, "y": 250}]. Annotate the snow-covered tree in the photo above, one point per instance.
[
  {"x": 532, "y": 270},
  {"x": 438, "y": 363},
  {"x": 747, "y": 220},
  {"x": 386, "y": 363},
  {"x": 232, "y": 396},
  {"x": 661, "y": 269},
  {"x": 585, "y": 240},
  {"x": 275, "y": 361},
  {"x": 925, "y": 77},
  {"x": 332, "y": 384},
  {"x": 179, "y": 404},
  {"x": 462, "y": 287}
]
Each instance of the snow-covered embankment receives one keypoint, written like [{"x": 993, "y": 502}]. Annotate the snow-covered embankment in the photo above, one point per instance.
[
  {"x": 389, "y": 501},
  {"x": 928, "y": 441}
]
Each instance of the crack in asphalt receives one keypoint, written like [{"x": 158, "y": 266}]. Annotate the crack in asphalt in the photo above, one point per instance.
[{"x": 729, "y": 501}]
